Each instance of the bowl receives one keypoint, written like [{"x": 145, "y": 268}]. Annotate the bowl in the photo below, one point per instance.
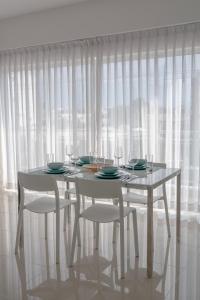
[
  {"x": 109, "y": 170},
  {"x": 138, "y": 162},
  {"x": 55, "y": 165},
  {"x": 86, "y": 159}
]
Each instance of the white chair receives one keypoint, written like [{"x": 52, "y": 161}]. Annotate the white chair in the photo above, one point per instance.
[
  {"x": 72, "y": 191},
  {"x": 136, "y": 198},
  {"x": 41, "y": 205},
  {"x": 103, "y": 213}
]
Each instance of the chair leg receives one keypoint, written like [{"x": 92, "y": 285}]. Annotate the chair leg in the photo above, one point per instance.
[
  {"x": 46, "y": 225},
  {"x": 83, "y": 200},
  {"x": 114, "y": 232},
  {"x": 93, "y": 201},
  {"x": 67, "y": 216},
  {"x": 78, "y": 235},
  {"x": 115, "y": 202},
  {"x": 67, "y": 209},
  {"x": 128, "y": 219},
  {"x": 19, "y": 229},
  {"x": 97, "y": 235},
  {"x": 76, "y": 225},
  {"x": 135, "y": 229},
  {"x": 122, "y": 248},
  {"x": 65, "y": 219},
  {"x": 166, "y": 210},
  {"x": 58, "y": 236}
]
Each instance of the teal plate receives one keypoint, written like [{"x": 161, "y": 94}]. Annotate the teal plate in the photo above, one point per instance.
[
  {"x": 139, "y": 168},
  {"x": 78, "y": 163},
  {"x": 129, "y": 167},
  {"x": 61, "y": 171},
  {"x": 107, "y": 177}
]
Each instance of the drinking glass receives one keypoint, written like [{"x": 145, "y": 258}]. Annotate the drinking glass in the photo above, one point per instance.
[
  {"x": 118, "y": 155},
  {"x": 69, "y": 152},
  {"x": 149, "y": 162},
  {"x": 91, "y": 157},
  {"x": 75, "y": 158},
  {"x": 100, "y": 161}
]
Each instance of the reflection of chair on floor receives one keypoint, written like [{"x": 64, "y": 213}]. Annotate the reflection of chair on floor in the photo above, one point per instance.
[
  {"x": 140, "y": 287},
  {"x": 73, "y": 288},
  {"x": 51, "y": 288},
  {"x": 97, "y": 268}
]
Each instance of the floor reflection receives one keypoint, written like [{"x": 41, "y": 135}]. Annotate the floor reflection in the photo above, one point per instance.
[
  {"x": 96, "y": 274},
  {"x": 94, "y": 277}
]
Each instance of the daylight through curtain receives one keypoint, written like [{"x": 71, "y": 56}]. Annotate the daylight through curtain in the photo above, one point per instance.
[{"x": 137, "y": 93}]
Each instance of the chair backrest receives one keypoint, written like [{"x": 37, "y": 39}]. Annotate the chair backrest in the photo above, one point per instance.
[
  {"x": 39, "y": 183},
  {"x": 100, "y": 189},
  {"x": 104, "y": 189}
]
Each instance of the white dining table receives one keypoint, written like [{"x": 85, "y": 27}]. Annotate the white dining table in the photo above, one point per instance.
[{"x": 141, "y": 180}]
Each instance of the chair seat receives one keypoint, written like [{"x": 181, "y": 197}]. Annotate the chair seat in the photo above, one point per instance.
[
  {"x": 104, "y": 213},
  {"x": 139, "y": 198},
  {"x": 46, "y": 204}
]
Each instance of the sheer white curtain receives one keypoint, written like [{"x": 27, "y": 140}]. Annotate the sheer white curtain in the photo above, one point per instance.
[
  {"x": 138, "y": 92},
  {"x": 48, "y": 100}
]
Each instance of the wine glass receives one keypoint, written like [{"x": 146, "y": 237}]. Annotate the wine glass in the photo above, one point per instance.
[
  {"x": 69, "y": 152},
  {"x": 75, "y": 157},
  {"x": 118, "y": 155},
  {"x": 100, "y": 161},
  {"x": 149, "y": 162}
]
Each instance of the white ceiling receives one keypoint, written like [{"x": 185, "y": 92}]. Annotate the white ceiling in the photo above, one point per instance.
[{"x": 12, "y": 8}]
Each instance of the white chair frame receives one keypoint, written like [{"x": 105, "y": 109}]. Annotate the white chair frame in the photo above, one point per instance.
[
  {"x": 40, "y": 183},
  {"x": 103, "y": 189},
  {"x": 72, "y": 191}
]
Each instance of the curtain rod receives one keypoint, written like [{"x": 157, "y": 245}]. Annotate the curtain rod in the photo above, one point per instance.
[{"x": 100, "y": 36}]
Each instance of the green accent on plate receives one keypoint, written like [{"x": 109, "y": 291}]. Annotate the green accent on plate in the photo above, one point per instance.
[
  {"x": 107, "y": 177},
  {"x": 139, "y": 168},
  {"x": 106, "y": 174},
  {"x": 137, "y": 161},
  {"x": 60, "y": 171}
]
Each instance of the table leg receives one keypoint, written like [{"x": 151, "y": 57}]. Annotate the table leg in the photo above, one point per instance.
[
  {"x": 69, "y": 207},
  {"x": 19, "y": 201},
  {"x": 178, "y": 207},
  {"x": 150, "y": 242},
  {"x": 57, "y": 232}
]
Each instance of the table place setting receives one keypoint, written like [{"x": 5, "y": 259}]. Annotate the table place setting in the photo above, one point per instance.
[
  {"x": 109, "y": 172},
  {"x": 58, "y": 168},
  {"x": 139, "y": 174},
  {"x": 112, "y": 172}
]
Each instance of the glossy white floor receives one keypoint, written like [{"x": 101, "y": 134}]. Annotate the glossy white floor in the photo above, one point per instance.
[{"x": 34, "y": 274}]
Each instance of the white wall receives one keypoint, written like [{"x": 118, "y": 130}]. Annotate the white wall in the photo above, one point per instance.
[{"x": 93, "y": 18}]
